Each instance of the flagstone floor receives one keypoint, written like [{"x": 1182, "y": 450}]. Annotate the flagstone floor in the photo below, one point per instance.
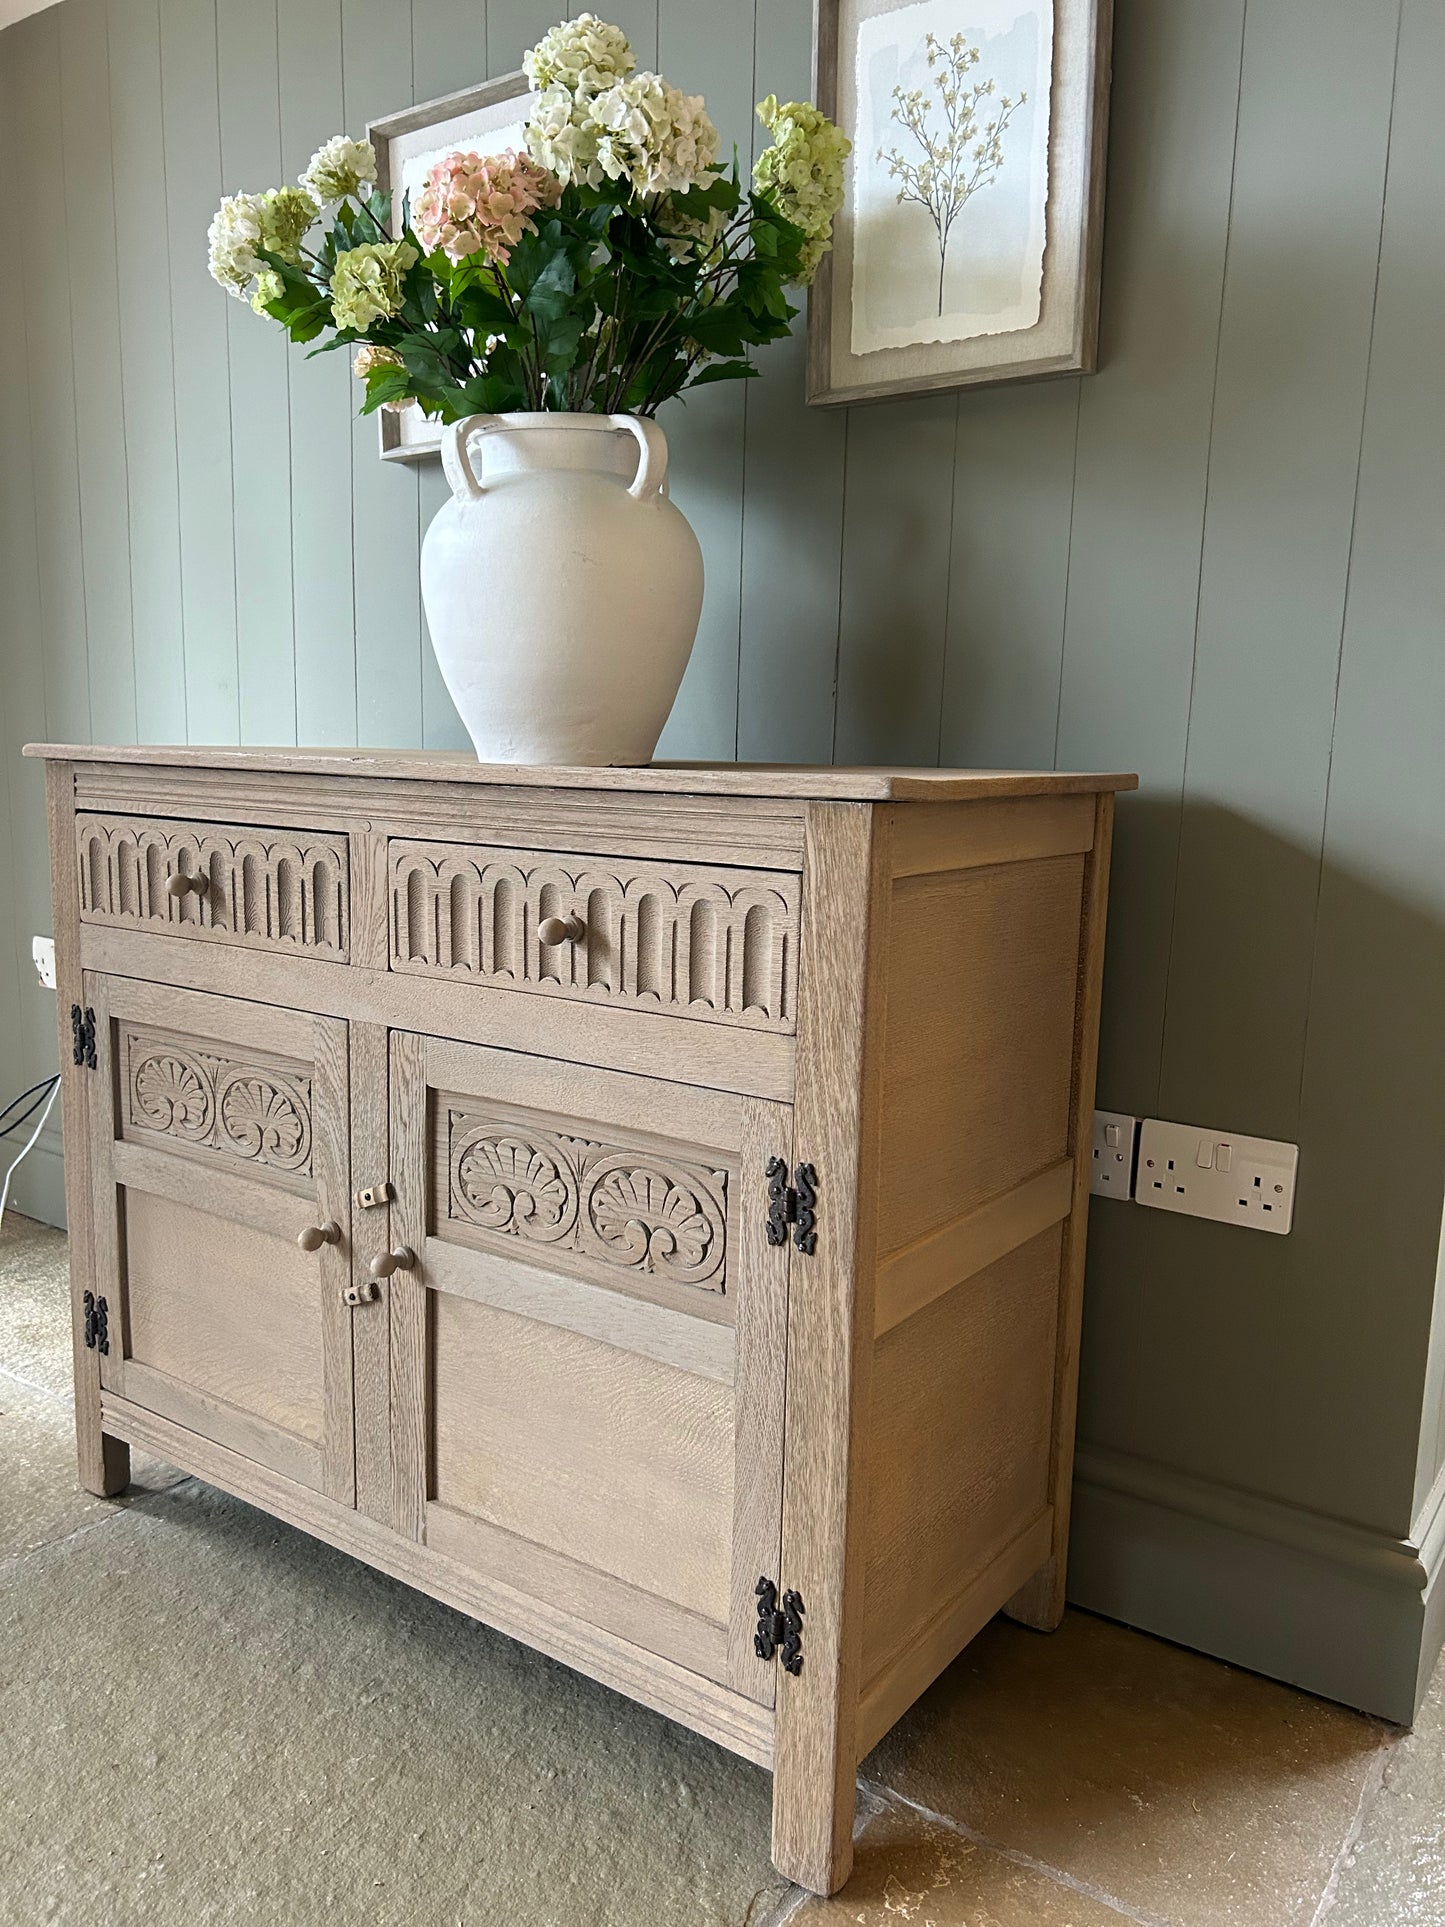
[{"x": 206, "y": 1717}]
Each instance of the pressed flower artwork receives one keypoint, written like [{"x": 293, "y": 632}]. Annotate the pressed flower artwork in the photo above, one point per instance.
[
  {"x": 950, "y": 174},
  {"x": 967, "y": 247}
]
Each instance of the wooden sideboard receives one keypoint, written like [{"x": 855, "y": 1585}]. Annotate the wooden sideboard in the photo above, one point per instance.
[{"x": 642, "y": 1208}]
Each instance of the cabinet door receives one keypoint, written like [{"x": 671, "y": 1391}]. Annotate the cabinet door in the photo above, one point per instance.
[
  {"x": 219, "y": 1133},
  {"x": 588, "y": 1354}
]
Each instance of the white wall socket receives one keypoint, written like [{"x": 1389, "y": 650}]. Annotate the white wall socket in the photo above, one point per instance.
[
  {"x": 1111, "y": 1167},
  {"x": 1217, "y": 1174},
  {"x": 42, "y": 949}
]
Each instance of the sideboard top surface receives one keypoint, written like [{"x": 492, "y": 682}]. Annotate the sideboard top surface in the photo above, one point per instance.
[{"x": 811, "y": 783}]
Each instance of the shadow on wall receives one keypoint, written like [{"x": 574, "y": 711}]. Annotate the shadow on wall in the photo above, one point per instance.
[{"x": 1299, "y": 1001}]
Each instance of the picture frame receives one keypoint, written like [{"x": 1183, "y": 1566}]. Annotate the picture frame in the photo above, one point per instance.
[
  {"x": 482, "y": 119},
  {"x": 1006, "y": 232}
]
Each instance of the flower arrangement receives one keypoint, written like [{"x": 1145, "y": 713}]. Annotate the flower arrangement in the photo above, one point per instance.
[{"x": 612, "y": 265}]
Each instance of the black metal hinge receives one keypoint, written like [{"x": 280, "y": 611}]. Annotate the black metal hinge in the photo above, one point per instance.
[
  {"x": 82, "y": 1036},
  {"x": 792, "y": 1204},
  {"x": 780, "y": 1629},
  {"x": 97, "y": 1324}
]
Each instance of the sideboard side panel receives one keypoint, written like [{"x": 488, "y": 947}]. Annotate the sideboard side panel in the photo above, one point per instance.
[{"x": 987, "y": 1082}]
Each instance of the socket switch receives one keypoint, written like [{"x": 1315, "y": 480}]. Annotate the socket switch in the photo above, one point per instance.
[
  {"x": 1217, "y": 1174},
  {"x": 42, "y": 949},
  {"x": 1111, "y": 1166}
]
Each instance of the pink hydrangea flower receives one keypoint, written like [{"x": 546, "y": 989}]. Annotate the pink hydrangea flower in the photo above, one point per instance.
[{"x": 470, "y": 205}]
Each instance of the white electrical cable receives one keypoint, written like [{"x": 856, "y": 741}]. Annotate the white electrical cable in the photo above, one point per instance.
[{"x": 29, "y": 1147}]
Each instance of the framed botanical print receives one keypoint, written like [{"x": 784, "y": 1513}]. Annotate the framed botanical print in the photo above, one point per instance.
[
  {"x": 967, "y": 247},
  {"x": 480, "y": 120}
]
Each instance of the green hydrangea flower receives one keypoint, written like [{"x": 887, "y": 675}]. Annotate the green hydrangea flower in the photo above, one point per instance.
[
  {"x": 802, "y": 172},
  {"x": 269, "y": 287},
  {"x": 366, "y": 282},
  {"x": 286, "y": 214}
]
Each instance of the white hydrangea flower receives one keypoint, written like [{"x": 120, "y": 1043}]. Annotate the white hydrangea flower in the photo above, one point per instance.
[
  {"x": 582, "y": 54},
  {"x": 244, "y": 224},
  {"x": 639, "y": 129},
  {"x": 340, "y": 167},
  {"x": 561, "y": 138},
  {"x": 234, "y": 236}
]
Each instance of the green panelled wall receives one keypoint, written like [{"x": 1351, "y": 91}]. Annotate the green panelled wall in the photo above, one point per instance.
[{"x": 1219, "y": 561}]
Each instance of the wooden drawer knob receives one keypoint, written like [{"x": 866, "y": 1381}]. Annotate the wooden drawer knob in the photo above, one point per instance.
[
  {"x": 402, "y": 1259},
  {"x": 178, "y": 884},
  {"x": 316, "y": 1235},
  {"x": 555, "y": 930}
]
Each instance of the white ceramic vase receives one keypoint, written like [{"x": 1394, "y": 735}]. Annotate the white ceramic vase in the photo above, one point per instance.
[{"x": 562, "y": 587}]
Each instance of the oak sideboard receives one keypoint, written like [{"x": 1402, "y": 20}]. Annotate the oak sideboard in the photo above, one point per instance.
[{"x": 642, "y": 1208}]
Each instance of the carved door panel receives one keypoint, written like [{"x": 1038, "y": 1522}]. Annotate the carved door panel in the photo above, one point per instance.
[
  {"x": 588, "y": 1342},
  {"x": 219, "y": 1138}
]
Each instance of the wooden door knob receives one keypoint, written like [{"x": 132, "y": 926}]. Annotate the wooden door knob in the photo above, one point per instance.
[
  {"x": 316, "y": 1235},
  {"x": 555, "y": 930},
  {"x": 178, "y": 884},
  {"x": 403, "y": 1258}
]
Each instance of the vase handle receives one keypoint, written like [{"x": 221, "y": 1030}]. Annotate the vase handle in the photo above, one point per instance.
[
  {"x": 456, "y": 462},
  {"x": 651, "y": 477}
]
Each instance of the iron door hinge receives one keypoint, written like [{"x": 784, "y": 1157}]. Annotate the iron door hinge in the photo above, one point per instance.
[
  {"x": 82, "y": 1036},
  {"x": 792, "y": 1204},
  {"x": 780, "y": 1628},
  {"x": 97, "y": 1324}
]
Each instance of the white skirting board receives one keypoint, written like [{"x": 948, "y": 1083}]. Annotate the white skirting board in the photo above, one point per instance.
[{"x": 1352, "y": 1615}]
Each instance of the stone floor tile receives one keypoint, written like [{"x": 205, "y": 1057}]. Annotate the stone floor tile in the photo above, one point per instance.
[
  {"x": 909, "y": 1868},
  {"x": 35, "y": 1304},
  {"x": 263, "y": 1732},
  {"x": 40, "y": 1498},
  {"x": 1195, "y": 1793},
  {"x": 1394, "y": 1874}
]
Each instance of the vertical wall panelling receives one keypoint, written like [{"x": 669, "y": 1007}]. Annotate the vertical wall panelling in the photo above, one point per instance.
[
  {"x": 1141, "y": 470},
  {"x": 448, "y": 46},
  {"x": 449, "y": 49},
  {"x": 45, "y": 278},
  {"x": 1293, "y": 348},
  {"x": 1294, "y": 338},
  {"x": 250, "y": 104},
  {"x": 50, "y": 689},
  {"x": 201, "y": 321},
  {"x": 792, "y": 493},
  {"x": 711, "y": 53},
  {"x": 897, "y": 522},
  {"x": 1012, "y": 511},
  {"x": 322, "y": 399},
  {"x": 151, "y": 512},
  {"x": 27, "y": 1027},
  {"x": 376, "y": 75},
  {"x": 95, "y": 345},
  {"x": 1143, "y": 458},
  {"x": 1376, "y": 1039}
]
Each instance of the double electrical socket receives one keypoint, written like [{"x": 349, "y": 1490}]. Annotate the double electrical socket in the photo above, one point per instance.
[{"x": 1201, "y": 1173}]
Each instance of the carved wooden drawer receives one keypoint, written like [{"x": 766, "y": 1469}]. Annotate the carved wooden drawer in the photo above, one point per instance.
[
  {"x": 686, "y": 939},
  {"x": 283, "y": 890}
]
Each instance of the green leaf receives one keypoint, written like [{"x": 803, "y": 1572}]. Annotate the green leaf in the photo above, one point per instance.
[{"x": 722, "y": 371}]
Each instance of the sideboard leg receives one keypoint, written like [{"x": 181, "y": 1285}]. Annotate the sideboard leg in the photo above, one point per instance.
[
  {"x": 104, "y": 1460},
  {"x": 1039, "y": 1602},
  {"x": 813, "y": 1805}
]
